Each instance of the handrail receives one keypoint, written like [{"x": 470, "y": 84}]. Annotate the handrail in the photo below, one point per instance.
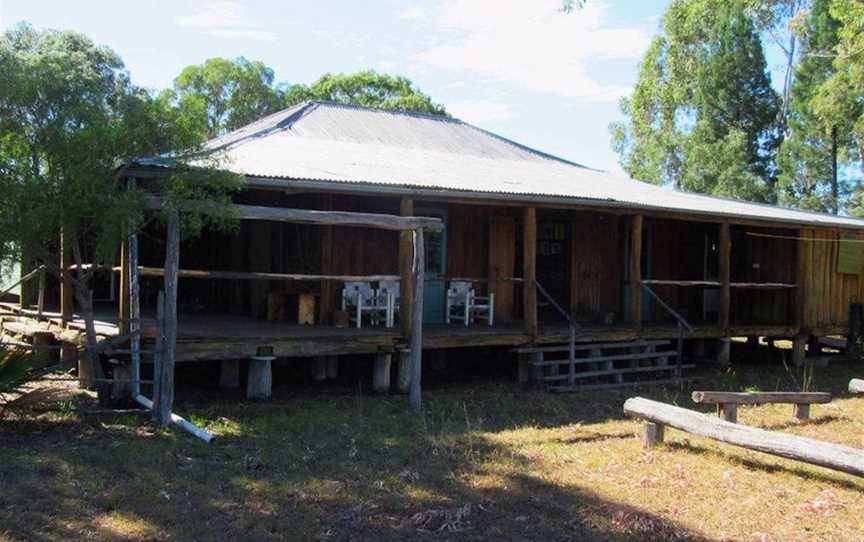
[
  {"x": 23, "y": 279},
  {"x": 573, "y": 328},
  {"x": 682, "y": 323}
]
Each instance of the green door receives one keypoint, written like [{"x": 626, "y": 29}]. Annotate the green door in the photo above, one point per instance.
[{"x": 435, "y": 287}]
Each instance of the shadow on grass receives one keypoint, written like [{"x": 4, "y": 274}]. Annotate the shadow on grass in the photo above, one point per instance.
[
  {"x": 819, "y": 420},
  {"x": 735, "y": 458},
  {"x": 311, "y": 469}
]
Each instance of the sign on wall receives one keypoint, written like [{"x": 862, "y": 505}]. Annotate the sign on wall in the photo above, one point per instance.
[{"x": 850, "y": 256}]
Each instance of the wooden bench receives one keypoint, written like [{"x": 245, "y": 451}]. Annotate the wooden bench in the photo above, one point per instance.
[
  {"x": 856, "y": 385},
  {"x": 659, "y": 415},
  {"x": 727, "y": 402}
]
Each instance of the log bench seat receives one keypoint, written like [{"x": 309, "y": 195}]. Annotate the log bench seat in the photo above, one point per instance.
[{"x": 727, "y": 402}]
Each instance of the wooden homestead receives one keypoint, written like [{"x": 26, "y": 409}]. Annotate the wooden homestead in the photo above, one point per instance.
[{"x": 595, "y": 280}]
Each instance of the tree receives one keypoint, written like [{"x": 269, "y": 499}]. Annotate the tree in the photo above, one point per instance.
[
  {"x": 225, "y": 94},
  {"x": 808, "y": 160},
  {"x": 838, "y": 101},
  {"x": 367, "y": 88},
  {"x": 781, "y": 21},
  {"x": 69, "y": 116},
  {"x": 703, "y": 115}
]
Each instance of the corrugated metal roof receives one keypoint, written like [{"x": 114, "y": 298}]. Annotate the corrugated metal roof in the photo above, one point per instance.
[{"x": 349, "y": 144}]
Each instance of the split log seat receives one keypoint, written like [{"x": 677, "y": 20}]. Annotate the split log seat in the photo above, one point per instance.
[{"x": 727, "y": 402}]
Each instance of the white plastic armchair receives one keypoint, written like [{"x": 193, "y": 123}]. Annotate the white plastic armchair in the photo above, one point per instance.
[
  {"x": 359, "y": 298},
  {"x": 389, "y": 293},
  {"x": 464, "y": 305}
]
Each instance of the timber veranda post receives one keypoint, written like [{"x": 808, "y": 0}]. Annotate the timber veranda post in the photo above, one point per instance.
[
  {"x": 418, "y": 276},
  {"x": 164, "y": 401},
  {"x": 636, "y": 271},
  {"x": 529, "y": 270}
]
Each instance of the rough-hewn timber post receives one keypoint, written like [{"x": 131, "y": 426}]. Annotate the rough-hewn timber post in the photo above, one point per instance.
[
  {"x": 529, "y": 270},
  {"x": 636, "y": 271},
  {"x": 134, "y": 310},
  {"x": 724, "y": 273},
  {"x": 26, "y": 287},
  {"x": 67, "y": 308},
  {"x": 328, "y": 288},
  {"x": 123, "y": 302},
  {"x": 165, "y": 400},
  {"x": 158, "y": 356},
  {"x": 406, "y": 258},
  {"x": 802, "y": 267},
  {"x": 418, "y": 278}
]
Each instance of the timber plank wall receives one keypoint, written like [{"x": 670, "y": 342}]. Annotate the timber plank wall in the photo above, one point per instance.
[{"x": 827, "y": 293}]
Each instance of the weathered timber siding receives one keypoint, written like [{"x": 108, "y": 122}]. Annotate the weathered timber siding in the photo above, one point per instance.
[
  {"x": 596, "y": 266},
  {"x": 827, "y": 293}
]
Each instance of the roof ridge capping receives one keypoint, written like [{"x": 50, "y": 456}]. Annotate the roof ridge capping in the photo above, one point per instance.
[{"x": 455, "y": 120}]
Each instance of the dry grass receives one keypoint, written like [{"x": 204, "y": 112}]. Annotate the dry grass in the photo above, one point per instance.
[{"x": 485, "y": 462}]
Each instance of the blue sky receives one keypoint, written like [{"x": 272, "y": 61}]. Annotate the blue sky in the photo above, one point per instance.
[{"x": 518, "y": 68}]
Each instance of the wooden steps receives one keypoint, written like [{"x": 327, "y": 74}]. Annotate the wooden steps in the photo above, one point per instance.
[{"x": 604, "y": 365}]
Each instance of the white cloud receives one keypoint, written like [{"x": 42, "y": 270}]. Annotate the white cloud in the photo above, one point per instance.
[
  {"x": 530, "y": 45},
  {"x": 225, "y": 19},
  {"x": 480, "y": 112}
]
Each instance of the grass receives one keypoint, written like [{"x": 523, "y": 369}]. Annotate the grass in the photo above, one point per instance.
[{"x": 485, "y": 461}]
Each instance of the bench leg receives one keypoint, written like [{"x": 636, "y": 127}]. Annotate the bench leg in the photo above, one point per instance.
[
  {"x": 801, "y": 412},
  {"x": 728, "y": 412},
  {"x": 652, "y": 434}
]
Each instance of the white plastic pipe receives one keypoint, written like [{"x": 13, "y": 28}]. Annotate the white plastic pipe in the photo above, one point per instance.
[{"x": 178, "y": 421}]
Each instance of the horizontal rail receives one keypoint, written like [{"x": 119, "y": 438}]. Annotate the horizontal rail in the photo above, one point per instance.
[
  {"x": 683, "y": 321},
  {"x": 23, "y": 279},
  {"x": 306, "y": 216}
]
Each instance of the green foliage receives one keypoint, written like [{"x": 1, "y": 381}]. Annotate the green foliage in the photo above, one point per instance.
[
  {"x": 806, "y": 159},
  {"x": 69, "y": 116},
  {"x": 367, "y": 88},
  {"x": 838, "y": 101},
  {"x": 702, "y": 116},
  {"x": 221, "y": 95}
]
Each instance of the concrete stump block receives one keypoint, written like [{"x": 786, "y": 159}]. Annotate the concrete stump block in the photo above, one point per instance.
[
  {"x": 403, "y": 381},
  {"x": 381, "y": 373},
  {"x": 332, "y": 367},
  {"x": 724, "y": 351},
  {"x": 229, "y": 373},
  {"x": 260, "y": 382},
  {"x": 319, "y": 369}
]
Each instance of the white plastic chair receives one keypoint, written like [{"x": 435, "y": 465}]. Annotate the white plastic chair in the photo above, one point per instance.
[
  {"x": 359, "y": 298},
  {"x": 389, "y": 293},
  {"x": 465, "y": 305}
]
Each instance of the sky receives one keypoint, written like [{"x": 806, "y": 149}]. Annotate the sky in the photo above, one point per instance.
[{"x": 519, "y": 68}]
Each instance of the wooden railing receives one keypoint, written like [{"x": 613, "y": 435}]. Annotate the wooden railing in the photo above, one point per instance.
[
  {"x": 574, "y": 328},
  {"x": 682, "y": 325}
]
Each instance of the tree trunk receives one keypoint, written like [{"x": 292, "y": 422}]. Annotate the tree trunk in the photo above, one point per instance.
[
  {"x": 835, "y": 189},
  {"x": 89, "y": 367}
]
